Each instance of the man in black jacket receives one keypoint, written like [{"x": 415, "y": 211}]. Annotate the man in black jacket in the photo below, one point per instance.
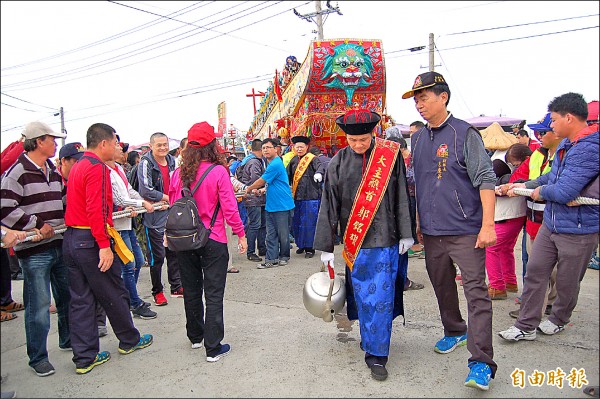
[
  {"x": 154, "y": 175},
  {"x": 256, "y": 230}
]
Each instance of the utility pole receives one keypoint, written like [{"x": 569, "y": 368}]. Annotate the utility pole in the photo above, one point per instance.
[
  {"x": 431, "y": 54},
  {"x": 319, "y": 20},
  {"x": 62, "y": 124},
  {"x": 319, "y": 16}
]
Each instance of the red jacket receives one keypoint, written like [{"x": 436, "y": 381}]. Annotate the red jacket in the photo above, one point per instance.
[
  {"x": 9, "y": 155},
  {"x": 521, "y": 173},
  {"x": 89, "y": 197}
]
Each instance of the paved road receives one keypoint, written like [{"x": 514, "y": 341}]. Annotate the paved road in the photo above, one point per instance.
[{"x": 280, "y": 350}]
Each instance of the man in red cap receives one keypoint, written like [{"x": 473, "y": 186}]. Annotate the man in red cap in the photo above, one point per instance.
[
  {"x": 365, "y": 193},
  {"x": 454, "y": 186}
]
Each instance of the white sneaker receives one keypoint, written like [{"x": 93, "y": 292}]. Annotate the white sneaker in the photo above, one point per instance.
[
  {"x": 549, "y": 328},
  {"x": 197, "y": 345},
  {"x": 514, "y": 334}
]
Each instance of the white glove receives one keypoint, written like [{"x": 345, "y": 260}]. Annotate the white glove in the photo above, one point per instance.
[
  {"x": 318, "y": 178},
  {"x": 327, "y": 257},
  {"x": 404, "y": 245}
]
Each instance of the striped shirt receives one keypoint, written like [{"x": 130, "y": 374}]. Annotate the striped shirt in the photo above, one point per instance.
[
  {"x": 29, "y": 199},
  {"x": 123, "y": 195}
]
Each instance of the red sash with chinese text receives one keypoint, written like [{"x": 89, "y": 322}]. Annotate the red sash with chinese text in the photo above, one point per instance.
[
  {"x": 300, "y": 169},
  {"x": 369, "y": 196}
]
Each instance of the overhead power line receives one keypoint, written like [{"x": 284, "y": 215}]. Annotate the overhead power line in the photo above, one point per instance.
[
  {"x": 520, "y": 38},
  {"x": 28, "y": 102},
  {"x": 196, "y": 26},
  {"x": 495, "y": 41},
  {"x": 451, "y": 77},
  {"x": 14, "y": 106},
  {"x": 113, "y": 50},
  {"x": 15, "y": 86},
  {"x": 517, "y": 25},
  {"x": 107, "y": 39},
  {"x": 172, "y": 95}
]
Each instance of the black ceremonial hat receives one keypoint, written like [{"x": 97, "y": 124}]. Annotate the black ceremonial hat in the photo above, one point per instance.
[{"x": 358, "y": 121}]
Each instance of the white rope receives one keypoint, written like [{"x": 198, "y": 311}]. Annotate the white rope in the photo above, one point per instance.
[
  {"x": 526, "y": 192},
  {"x": 116, "y": 215}
]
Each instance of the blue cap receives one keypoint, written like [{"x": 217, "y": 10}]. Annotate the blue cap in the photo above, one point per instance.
[
  {"x": 72, "y": 150},
  {"x": 543, "y": 125}
]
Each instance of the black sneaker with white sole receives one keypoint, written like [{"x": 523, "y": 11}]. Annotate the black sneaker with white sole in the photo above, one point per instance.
[
  {"x": 224, "y": 351},
  {"x": 254, "y": 258},
  {"x": 143, "y": 312},
  {"x": 44, "y": 368},
  {"x": 267, "y": 265}
]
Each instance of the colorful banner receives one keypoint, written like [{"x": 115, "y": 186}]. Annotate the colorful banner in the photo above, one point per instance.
[
  {"x": 222, "y": 113},
  {"x": 368, "y": 197}
]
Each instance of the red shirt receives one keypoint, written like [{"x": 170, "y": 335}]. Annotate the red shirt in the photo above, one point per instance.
[
  {"x": 521, "y": 173},
  {"x": 534, "y": 145},
  {"x": 164, "y": 171},
  {"x": 90, "y": 197}
]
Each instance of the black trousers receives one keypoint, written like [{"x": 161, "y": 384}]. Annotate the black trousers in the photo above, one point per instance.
[
  {"x": 156, "y": 258},
  {"x": 205, "y": 271},
  {"x": 89, "y": 285},
  {"x": 5, "y": 279}
]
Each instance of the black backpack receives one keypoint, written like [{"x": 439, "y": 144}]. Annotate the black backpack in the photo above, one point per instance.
[
  {"x": 133, "y": 179},
  {"x": 184, "y": 229}
]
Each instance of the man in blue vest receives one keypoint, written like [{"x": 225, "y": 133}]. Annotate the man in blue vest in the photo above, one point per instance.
[{"x": 454, "y": 190}]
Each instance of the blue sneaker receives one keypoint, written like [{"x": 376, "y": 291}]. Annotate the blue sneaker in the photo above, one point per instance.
[
  {"x": 479, "y": 376},
  {"x": 145, "y": 341},
  {"x": 448, "y": 344}
]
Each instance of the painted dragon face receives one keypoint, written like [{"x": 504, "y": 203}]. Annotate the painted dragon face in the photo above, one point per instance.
[{"x": 347, "y": 68}]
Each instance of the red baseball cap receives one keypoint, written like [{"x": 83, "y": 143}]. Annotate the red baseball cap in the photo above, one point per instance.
[{"x": 200, "y": 135}]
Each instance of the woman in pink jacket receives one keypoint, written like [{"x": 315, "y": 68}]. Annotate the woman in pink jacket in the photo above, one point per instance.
[{"x": 205, "y": 270}]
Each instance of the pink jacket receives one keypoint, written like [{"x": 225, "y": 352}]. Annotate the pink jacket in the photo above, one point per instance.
[{"x": 216, "y": 186}]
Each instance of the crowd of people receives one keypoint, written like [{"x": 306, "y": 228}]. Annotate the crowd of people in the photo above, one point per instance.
[{"x": 443, "y": 198}]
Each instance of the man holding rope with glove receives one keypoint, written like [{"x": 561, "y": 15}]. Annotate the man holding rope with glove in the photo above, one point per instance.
[
  {"x": 373, "y": 212},
  {"x": 569, "y": 232}
]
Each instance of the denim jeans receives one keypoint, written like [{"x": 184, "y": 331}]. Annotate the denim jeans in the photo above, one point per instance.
[
  {"x": 243, "y": 212},
  {"x": 40, "y": 271},
  {"x": 256, "y": 229},
  {"x": 278, "y": 236},
  {"x": 137, "y": 253},
  {"x": 128, "y": 273}
]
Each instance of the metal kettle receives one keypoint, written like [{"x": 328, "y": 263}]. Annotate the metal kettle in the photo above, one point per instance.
[{"x": 324, "y": 294}]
